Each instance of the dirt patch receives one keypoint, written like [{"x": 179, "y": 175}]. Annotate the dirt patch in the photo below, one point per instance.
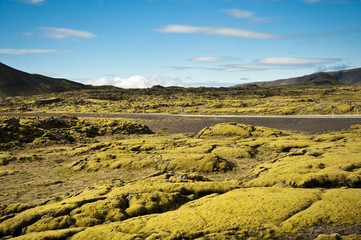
[{"x": 312, "y": 233}]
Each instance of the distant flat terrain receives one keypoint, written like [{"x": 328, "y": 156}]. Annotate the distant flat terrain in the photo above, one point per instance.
[{"x": 174, "y": 123}]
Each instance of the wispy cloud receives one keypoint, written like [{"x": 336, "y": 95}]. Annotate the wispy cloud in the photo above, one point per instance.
[
  {"x": 295, "y": 60},
  {"x": 237, "y": 13},
  {"x": 338, "y": 32},
  {"x": 269, "y": 63},
  {"x": 211, "y": 59},
  {"x": 62, "y": 33},
  {"x": 241, "y": 14},
  {"x": 33, "y": 1},
  {"x": 26, "y": 51},
  {"x": 137, "y": 81},
  {"x": 180, "y": 68},
  {"x": 311, "y": 1},
  {"x": 253, "y": 67},
  {"x": 219, "y": 31},
  {"x": 332, "y": 1}
]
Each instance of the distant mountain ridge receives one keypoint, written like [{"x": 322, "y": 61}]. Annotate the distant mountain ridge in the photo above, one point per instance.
[
  {"x": 343, "y": 77},
  {"x": 17, "y": 83}
]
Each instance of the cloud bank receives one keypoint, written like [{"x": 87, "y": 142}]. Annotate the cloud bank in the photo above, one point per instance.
[
  {"x": 218, "y": 31},
  {"x": 137, "y": 81}
]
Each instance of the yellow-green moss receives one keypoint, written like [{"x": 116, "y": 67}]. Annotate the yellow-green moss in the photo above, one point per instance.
[
  {"x": 106, "y": 231},
  {"x": 337, "y": 206},
  {"x": 320, "y": 164},
  {"x": 50, "y": 235},
  {"x": 227, "y": 129},
  {"x": 94, "y": 213},
  {"x": 240, "y": 210},
  {"x": 4, "y": 172},
  {"x": 50, "y": 223},
  {"x": 5, "y": 158},
  {"x": 227, "y": 152},
  {"x": 284, "y": 145},
  {"x": 14, "y": 225}
]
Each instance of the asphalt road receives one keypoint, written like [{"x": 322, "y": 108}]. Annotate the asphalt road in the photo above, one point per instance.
[{"x": 176, "y": 123}]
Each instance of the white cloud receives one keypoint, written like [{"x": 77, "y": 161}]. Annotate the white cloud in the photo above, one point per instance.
[
  {"x": 100, "y": 82},
  {"x": 26, "y": 51},
  {"x": 295, "y": 60},
  {"x": 219, "y": 31},
  {"x": 137, "y": 81},
  {"x": 33, "y": 1},
  {"x": 210, "y": 59},
  {"x": 61, "y": 33},
  {"x": 311, "y": 1},
  {"x": 269, "y": 63},
  {"x": 281, "y": 63},
  {"x": 237, "y": 13},
  {"x": 241, "y": 14}
]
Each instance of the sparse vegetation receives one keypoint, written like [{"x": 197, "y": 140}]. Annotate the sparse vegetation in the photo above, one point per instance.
[{"x": 288, "y": 100}]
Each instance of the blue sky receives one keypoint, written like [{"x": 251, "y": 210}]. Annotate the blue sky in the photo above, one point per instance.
[{"x": 140, "y": 43}]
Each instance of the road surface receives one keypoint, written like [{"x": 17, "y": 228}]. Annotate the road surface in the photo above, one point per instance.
[{"x": 176, "y": 123}]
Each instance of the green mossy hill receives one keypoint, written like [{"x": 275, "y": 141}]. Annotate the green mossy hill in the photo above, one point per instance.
[
  {"x": 200, "y": 154},
  {"x": 323, "y": 80},
  {"x": 115, "y": 202},
  {"x": 252, "y": 213},
  {"x": 328, "y": 160},
  {"x": 230, "y": 181},
  {"x": 64, "y": 129},
  {"x": 237, "y": 130}
]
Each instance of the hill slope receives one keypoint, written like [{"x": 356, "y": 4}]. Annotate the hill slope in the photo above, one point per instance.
[
  {"x": 347, "y": 77},
  {"x": 17, "y": 83},
  {"x": 323, "y": 80}
]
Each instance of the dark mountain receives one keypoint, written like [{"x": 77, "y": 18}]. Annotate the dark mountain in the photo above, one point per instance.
[
  {"x": 17, "y": 83},
  {"x": 346, "y": 77},
  {"x": 323, "y": 80}
]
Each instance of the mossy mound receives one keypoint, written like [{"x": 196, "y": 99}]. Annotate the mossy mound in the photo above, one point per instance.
[
  {"x": 157, "y": 193},
  {"x": 12, "y": 132},
  {"x": 237, "y": 130},
  {"x": 261, "y": 213},
  {"x": 309, "y": 163},
  {"x": 65, "y": 129},
  {"x": 170, "y": 206},
  {"x": 161, "y": 154},
  {"x": 257, "y": 183},
  {"x": 50, "y": 235},
  {"x": 336, "y": 206},
  {"x": 6, "y": 158}
]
